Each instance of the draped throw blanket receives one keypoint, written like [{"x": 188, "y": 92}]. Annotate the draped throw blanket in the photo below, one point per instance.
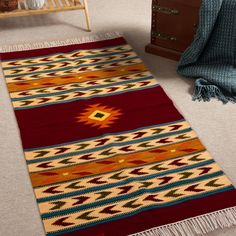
[
  {"x": 107, "y": 152},
  {"x": 211, "y": 57}
]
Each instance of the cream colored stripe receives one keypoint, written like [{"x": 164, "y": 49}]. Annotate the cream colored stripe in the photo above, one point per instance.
[
  {"x": 66, "y": 64},
  {"x": 77, "y": 54}
]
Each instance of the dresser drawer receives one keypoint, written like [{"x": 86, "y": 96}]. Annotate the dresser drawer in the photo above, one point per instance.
[{"x": 174, "y": 23}]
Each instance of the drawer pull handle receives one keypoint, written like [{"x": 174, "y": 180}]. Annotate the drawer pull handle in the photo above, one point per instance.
[
  {"x": 165, "y": 10},
  {"x": 163, "y": 36}
]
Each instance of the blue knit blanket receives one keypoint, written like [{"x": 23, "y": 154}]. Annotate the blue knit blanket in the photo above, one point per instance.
[{"x": 211, "y": 57}]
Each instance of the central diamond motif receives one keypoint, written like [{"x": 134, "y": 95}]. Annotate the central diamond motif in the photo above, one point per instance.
[{"x": 99, "y": 116}]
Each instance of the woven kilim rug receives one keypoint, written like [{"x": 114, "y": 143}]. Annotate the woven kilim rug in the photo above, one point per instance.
[{"x": 107, "y": 152}]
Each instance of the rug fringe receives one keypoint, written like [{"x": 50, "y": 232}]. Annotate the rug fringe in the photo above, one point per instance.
[
  {"x": 194, "y": 226},
  {"x": 57, "y": 43}
]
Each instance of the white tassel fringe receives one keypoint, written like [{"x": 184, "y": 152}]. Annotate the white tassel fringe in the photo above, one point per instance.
[
  {"x": 198, "y": 225},
  {"x": 57, "y": 43}
]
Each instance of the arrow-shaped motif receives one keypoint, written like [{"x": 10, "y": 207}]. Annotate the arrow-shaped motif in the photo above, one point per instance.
[
  {"x": 45, "y": 165},
  {"x": 75, "y": 186},
  {"x": 64, "y": 64},
  {"x": 132, "y": 204},
  {"x": 157, "y": 130},
  {"x": 109, "y": 80},
  {"x": 118, "y": 176},
  {"x": 61, "y": 150},
  {"x": 128, "y": 86},
  {"x": 125, "y": 189},
  {"x": 61, "y": 97},
  {"x": 145, "y": 184},
  {"x": 107, "y": 152},
  {"x": 44, "y": 59},
  {"x": 144, "y": 83},
  {"x": 78, "y": 94},
  {"x": 24, "y": 94},
  {"x": 97, "y": 181},
  {"x": 103, "y": 194},
  {"x": 52, "y": 74},
  {"x": 62, "y": 222},
  {"x": 120, "y": 138},
  {"x": 16, "y": 71},
  {"x": 165, "y": 180},
  {"x": 175, "y": 127},
  {"x": 212, "y": 183},
  {"x": 86, "y": 216},
  {"x": 158, "y": 167},
  {"x": 196, "y": 158},
  {"x": 41, "y": 153},
  {"x": 126, "y": 149},
  {"x": 139, "y": 135},
  {"x": 112, "y": 89},
  {"x": 87, "y": 157},
  {"x": 182, "y": 136},
  {"x": 101, "y": 141},
  {"x": 173, "y": 194},
  {"x": 185, "y": 175},
  {"x": 138, "y": 172},
  {"x": 33, "y": 68},
  {"x": 193, "y": 188},
  {"x": 153, "y": 198},
  {"x": 79, "y": 200},
  {"x": 67, "y": 161},
  {"x": 177, "y": 163},
  {"x": 60, "y": 88},
  {"x": 145, "y": 145},
  {"x": 109, "y": 210},
  {"x": 14, "y": 63},
  {"x": 95, "y": 91},
  {"x": 205, "y": 170},
  {"x": 26, "y": 103},
  {"x": 43, "y": 100},
  {"x": 57, "y": 205},
  {"x": 52, "y": 190},
  {"x": 164, "y": 140},
  {"x": 42, "y": 91}
]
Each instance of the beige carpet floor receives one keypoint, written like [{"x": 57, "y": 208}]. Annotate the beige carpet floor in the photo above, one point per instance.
[{"x": 215, "y": 123}]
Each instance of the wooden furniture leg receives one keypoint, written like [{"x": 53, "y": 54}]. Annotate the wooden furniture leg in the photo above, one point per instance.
[{"x": 87, "y": 15}]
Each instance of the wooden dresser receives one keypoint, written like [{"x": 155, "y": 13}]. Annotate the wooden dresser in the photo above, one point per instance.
[{"x": 174, "y": 23}]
